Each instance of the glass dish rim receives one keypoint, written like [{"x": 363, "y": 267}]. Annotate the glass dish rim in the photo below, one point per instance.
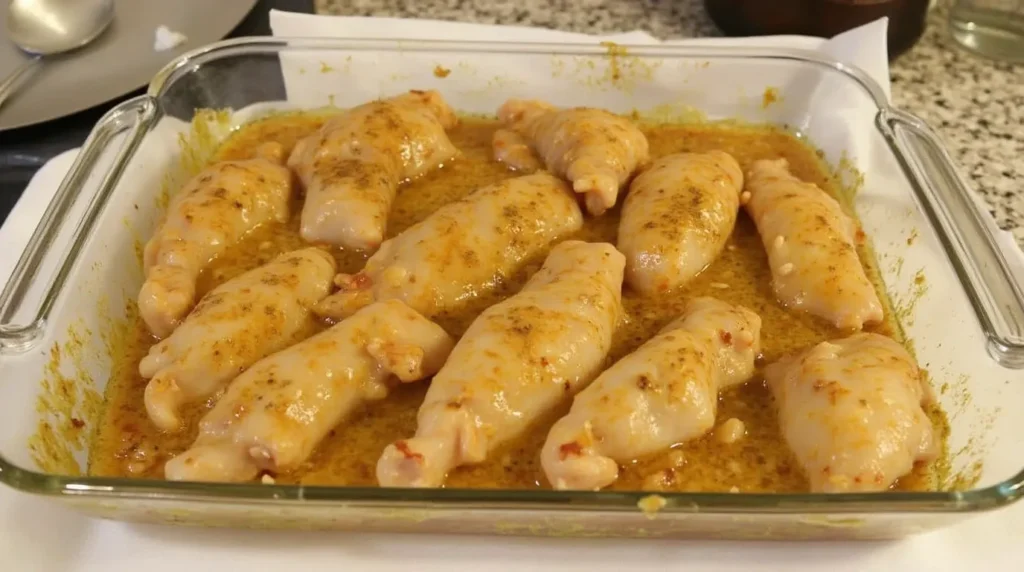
[{"x": 31, "y": 481}]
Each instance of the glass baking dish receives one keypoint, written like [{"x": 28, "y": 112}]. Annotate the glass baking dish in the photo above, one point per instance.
[{"x": 951, "y": 285}]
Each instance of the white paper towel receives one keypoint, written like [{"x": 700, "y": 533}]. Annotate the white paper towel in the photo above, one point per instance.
[{"x": 863, "y": 47}]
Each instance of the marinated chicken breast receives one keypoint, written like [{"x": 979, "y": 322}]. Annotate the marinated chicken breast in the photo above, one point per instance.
[
  {"x": 273, "y": 416},
  {"x": 677, "y": 217},
  {"x": 233, "y": 326},
  {"x": 662, "y": 394},
  {"x": 464, "y": 249},
  {"x": 851, "y": 411},
  {"x": 352, "y": 166},
  {"x": 811, "y": 247},
  {"x": 211, "y": 213},
  {"x": 596, "y": 150},
  {"x": 517, "y": 361}
]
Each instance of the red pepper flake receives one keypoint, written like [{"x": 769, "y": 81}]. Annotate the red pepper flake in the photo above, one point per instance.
[
  {"x": 77, "y": 423},
  {"x": 361, "y": 281},
  {"x": 726, "y": 337},
  {"x": 573, "y": 449},
  {"x": 404, "y": 449},
  {"x": 357, "y": 281}
]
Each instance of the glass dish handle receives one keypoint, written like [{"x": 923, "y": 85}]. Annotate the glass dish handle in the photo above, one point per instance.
[
  {"x": 997, "y": 298},
  {"x": 133, "y": 116}
]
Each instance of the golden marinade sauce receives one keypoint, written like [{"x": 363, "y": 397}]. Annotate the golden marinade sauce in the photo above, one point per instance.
[{"x": 129, "y": 445}]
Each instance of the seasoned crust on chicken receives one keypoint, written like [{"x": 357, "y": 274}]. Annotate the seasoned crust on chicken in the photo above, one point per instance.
[
  {"x": 851, "y": 411},
  {"x": 517, "y": 361},
  {"x": 677, "y": 217},
  {"x": 662, "y": 394},
  {"x": 274, "y": 415},
  {"x": 596, "y": 150},
  {"x": 463, "y": 250},
  {"x": 352, "y": 167},
  {"x": 811, "y": 246},
  {"x": 212, "y": 212},
  {"x": 233, "y": 326}
]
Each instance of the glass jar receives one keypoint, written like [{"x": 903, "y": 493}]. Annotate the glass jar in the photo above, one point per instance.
[
  {"x": 824, "y": 18},
  {"x": 993, "y": 28}
]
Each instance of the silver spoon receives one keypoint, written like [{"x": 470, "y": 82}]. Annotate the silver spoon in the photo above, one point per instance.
[{"x": 49, "y": 27}]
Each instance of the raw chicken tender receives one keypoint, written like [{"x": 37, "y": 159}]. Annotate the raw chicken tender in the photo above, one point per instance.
[
  {"x": 463, "y": 250},
  {"x": 518, "y": 360},
  {"x": 662, "y": 394},
  {"x": 677, "y": 217},
  {"x": 352, "y": 166},
  {"x": 596, "y": 150},
  {"x": 851, "y": 411},
  {"x": 233, "y": 326},
  {"x": 811, "y": 247},
  {"x": 274, "y": 415},
  {"x": 211, "y": 213}
]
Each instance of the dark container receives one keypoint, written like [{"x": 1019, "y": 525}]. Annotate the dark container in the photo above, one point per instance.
[{"x": 824, "y": 18}]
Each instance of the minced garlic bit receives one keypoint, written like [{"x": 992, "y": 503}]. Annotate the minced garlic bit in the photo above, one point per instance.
[
  {"x": 779, "y": 241},
  {"x": 746, "y": 337},
  {"x": 651, "y": 504},
  {"x": 719, "y": 285},
  {"x": 662, "y": 480},
  {"x": 142, "y": 459},
  {"x": 139, "y": 467},
  {"x": 676, "y": 458},
  {"x": 730, "y": 247},
  {"x": 786, "y": 269},
  {"x": 731, "y": 431},
  {"x": 744, "y": 197},
  {"x": 267, "y": 479},
  {"x": 734, "y": 490}
]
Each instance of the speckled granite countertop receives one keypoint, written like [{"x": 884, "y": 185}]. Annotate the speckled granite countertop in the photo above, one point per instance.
[{"x": 976, "y": 105}]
